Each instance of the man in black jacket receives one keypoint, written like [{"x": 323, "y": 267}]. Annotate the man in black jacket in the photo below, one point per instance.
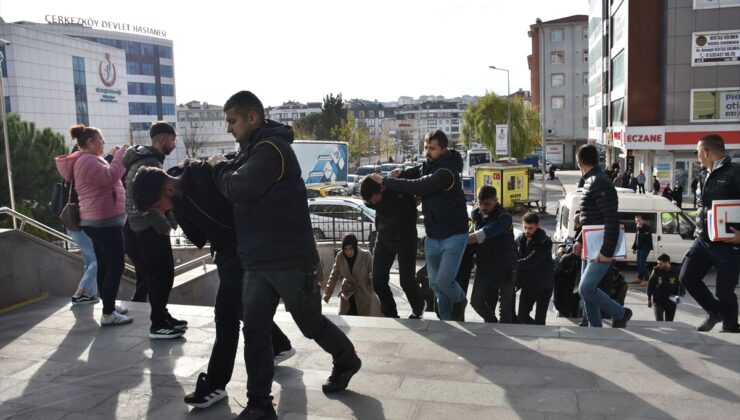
[
  {"x": 662, "y": 287},
  {"x": 445, "y": 219},
  {"x": 535, "y": 275},
  {"x": 493, "y": 232},
  {"x": 641, "y": 247},
  {"x": 720, "y": 180},
  {"x": 205, "y": 215},
  {"x": 599, "y": 205},
  {"x": 395, "y": 221},
  {"x": 276, "y": 248}
]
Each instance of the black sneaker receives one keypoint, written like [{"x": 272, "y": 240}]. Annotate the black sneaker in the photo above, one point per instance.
[
  {"x": 84, "y": 300},
  {"x": 340, "y": 376},
  {"x": 420, "y": 315},
  {"x": 205, "y": 395},
  {"x": 258, "y": 412},
  {"x": 283, "y": 356},
  {"x": 622, "y": 322},
  {"x": 584, "y": 322},
  {"x": 176, "y": 323},
  {"x": 735, "y": 330},
  {"x": 458, "y": 310},
  {"x": 710, "y": 321},
  {"x": 164, "y": 332}
]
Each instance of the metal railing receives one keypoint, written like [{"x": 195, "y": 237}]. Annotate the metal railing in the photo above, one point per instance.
[
  {"x": 25, "y": 220},
  {"x": 333, "y": 225}
]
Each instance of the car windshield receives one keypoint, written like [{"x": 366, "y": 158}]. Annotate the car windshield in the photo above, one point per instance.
[{"x": 364, "y": 170}]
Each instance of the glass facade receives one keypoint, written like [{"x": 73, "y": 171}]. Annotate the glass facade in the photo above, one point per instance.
[{"x": 80, "y": 86}]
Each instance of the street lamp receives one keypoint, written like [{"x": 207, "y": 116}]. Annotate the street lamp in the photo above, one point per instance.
[
  {"x": 5, "y": 133},
  {"x": 508, "y": 109}
]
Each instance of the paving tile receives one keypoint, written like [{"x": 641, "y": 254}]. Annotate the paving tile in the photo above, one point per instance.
[
  {"x": 449, "y": 391},
  {"x": 434, "y": 411},
  {"x": 621, "y": 404}
]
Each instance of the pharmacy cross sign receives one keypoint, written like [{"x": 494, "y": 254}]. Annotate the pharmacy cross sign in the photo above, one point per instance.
[{"x": 107, "y": 71}]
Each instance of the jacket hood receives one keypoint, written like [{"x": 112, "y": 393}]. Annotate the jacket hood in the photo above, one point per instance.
[
  {"x": 66, "y": 163},
  {"x": 138, "y": 152},
  {"x": 270, "y": 129},
  {"x": 452, "y": 160}
]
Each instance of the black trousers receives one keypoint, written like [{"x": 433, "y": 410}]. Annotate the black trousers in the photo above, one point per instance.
[
  {"x": 299, "y": 289},
  {"x": 108, "y": 246},
  {"x": 228, "y": 315},
  {"x": 383, "y": 256},
  {"x": 134, "y": 254},
  {"x": 725, "y": 258},
  {"x": 159, "y": 267},
  {"x": 527, "y": 300},
  {"x": 666, "y": 311},
  {"x": 641, "y": 187},
  {"x": 485, "y": 296},
  {"x": 505, "y": 295}
]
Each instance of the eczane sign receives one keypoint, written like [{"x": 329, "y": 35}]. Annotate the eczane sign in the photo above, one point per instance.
[{"x": 644, "y": 138}]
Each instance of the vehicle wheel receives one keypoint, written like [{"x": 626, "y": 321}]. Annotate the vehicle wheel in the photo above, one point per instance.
[
  {"x": 420, "y": 248},
  {"x": 318, "y": 234}
]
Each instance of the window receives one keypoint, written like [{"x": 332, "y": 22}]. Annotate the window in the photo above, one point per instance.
[
  {"x": 585, "y": 32},
  {"x": 371, "y": 114},
  {"x": 4, "y": 65},
  {"x": 142, "y": 108},
  {"x": 361, "y": 114},
  {"x": 147, "y": 49},
  {"x": 381, "y": 114},
  {"x": 140, "y": 126},
  {"x": 165, "y": 71},
  {"x": 7, "y": 103},
  {"x": 80, "y": 88},
  {"x": 168, "y": 109},
  {"x": 557, "y": 102},
  {"x": 165, "y": 52},
  {"x": 628, "y": 220},
  {"x": 585, "y": 55},
  {"x": 677, "y": 224},
  {"x": 585, "y": 78},
  {"x": 147, "y": 69},
  {"x": 168, "y": 90},
  {"x": 557, "y": 35},
  {"x": 584, "y": 123},
  {"x": 585, "y": 101},
  {"x": 715, "y": 104},
  {"x": 557, "y": 79},
  {"x": 618, "y": 72},
  {"x": 618, "y": 112},
  {"x": 557, "y": 57}
]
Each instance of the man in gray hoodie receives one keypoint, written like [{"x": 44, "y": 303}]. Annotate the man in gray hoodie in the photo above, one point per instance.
[{"x": 147, "y": 235}]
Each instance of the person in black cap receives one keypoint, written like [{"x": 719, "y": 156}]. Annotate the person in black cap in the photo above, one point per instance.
[{"x": 147, "y": 236}]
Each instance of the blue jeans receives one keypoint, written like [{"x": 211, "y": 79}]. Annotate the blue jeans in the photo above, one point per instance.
[
  {"x": 596, "y": 300},
  {"x": 642, "y": 271},
  {"x": 89, "y": 280},
  {"x": 443, "y": 258}
]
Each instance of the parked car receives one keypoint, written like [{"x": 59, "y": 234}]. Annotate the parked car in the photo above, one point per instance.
[
  {"x": 313, "y": 191},
  {"x": 367, "y": 169},
  {"x": 353, "y": 183},
  {"x": 334, "y": 217},
  {"x": 672, "y": 228}
]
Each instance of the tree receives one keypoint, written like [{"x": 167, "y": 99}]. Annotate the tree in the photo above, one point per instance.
[
  {"x": 333, "y": 115},
  {"x": 32, "y": 155},
  {"x": 306, "y": 128},
  {"x": 194, "y": 140},
  {"x": 481, "y": 117},
  {"x": 356, "y": 137}
]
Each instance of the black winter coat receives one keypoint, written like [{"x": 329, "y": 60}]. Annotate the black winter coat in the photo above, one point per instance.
[
  {"x": 643, "y": 239},
  {"x": 496, "y": 255},
  {"x": 396, "y": 213},
  {"x": 442, "y": 196},
  {"x": 535, "y": 272},
  {"x": 599, "y": 206},
  {"x": 203, "y": 213},
  {"x": 722, "y": 183}
]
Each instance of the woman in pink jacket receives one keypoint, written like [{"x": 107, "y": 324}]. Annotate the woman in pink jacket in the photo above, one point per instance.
[{"x": 101, "y": 195}]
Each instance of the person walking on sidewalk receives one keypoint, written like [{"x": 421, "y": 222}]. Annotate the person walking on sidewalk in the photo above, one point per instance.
[
  {"x": 102, "y": 214},
  {"x": 535, "y": 270},
  {"x": 205, "y": 215},
  {"x": 663, "y": 289},
  {"x": 395, "y": 222},
  {"x": 599, "y": 203},
  {"x": 641, "y": 182},
  {"x": 148, "y": 235},
  {"x": 445, "y": 219},
  {"x": 642, "y": 247},
  {"x": 493, "y": 232},
  {"x": 276, "y": 247},
  {"x": 720, "y": 180},
  {"x": 354, "y": 266}
]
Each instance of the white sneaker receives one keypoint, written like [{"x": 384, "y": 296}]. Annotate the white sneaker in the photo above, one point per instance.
[
  {"x": 121, "y": 310},
  {"x": 115, "y": 318},
  {"x": 283, "y": 356}
]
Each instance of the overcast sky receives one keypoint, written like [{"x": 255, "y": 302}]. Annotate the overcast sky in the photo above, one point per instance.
[{"x": 302, "y": 50}]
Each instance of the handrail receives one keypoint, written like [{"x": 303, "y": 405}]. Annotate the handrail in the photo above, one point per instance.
[
  {"x": 186, "y": 266},
  {"x": 51, "y": 231}
]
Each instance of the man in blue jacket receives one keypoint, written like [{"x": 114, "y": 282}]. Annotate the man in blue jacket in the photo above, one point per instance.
[
  {"x": 276, "y": 247},
  {"x": 445, "y": 219},
  {"x": 493, "y": 232},
  {"x": 720, "y": 180}
]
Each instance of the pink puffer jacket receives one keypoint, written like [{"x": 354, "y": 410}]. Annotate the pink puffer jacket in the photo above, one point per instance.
[{"x": 98, "y": 184}]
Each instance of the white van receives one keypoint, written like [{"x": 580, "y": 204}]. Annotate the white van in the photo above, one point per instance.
[{"x": 673, "y": 230}]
